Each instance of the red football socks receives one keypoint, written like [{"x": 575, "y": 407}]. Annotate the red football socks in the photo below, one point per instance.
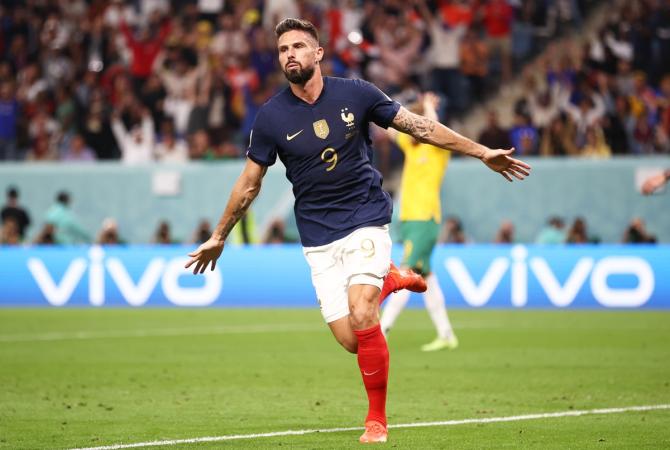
[{"x": 373, "y": 360}]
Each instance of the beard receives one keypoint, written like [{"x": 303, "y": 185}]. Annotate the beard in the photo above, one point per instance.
[{"x": 299, "y": 76}]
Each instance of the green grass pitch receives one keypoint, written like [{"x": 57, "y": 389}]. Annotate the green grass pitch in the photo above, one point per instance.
[{"x": 91, "y": 377}]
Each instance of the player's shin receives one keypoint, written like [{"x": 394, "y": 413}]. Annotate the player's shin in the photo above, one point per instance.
[{"x": 373, "y": 361}]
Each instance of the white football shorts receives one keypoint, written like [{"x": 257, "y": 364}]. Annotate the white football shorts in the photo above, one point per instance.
[{"x": 362, "y": 257}]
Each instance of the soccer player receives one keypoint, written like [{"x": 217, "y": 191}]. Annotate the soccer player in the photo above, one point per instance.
[
  {"x": 319, "y": 128},
  {"x": 420, "y": 217}
]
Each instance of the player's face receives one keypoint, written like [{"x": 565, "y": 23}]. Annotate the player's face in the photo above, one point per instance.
[{"x": 299, "y": 54}]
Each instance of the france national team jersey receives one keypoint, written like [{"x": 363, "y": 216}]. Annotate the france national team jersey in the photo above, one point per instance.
[{"x": 327, "y": 152}]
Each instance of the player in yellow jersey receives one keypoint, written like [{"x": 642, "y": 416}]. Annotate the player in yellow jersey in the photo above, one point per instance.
[{"x": 420, "y": 217}]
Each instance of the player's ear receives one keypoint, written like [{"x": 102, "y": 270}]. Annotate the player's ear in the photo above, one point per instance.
[{"x": 319, "y": 54}]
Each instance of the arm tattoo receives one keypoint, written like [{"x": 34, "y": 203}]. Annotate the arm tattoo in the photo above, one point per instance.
[
  {"x": 413, "y": 124},
  {"x": 243, "y": 195}
]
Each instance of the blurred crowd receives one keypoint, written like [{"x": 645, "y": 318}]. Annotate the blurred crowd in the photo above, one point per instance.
[
  {"x": 159, "y": 80},
  {"x": 610, "y": 95},
  {"x": 62, "y": 227}
]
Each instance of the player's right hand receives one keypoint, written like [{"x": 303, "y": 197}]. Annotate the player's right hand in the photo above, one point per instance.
[{"x": 207, "y": 252}]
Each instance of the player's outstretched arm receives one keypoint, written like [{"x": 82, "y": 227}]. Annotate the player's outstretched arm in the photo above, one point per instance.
[
  {"x": 433, "y": 132},
  {"x": 246, "y": 188}
]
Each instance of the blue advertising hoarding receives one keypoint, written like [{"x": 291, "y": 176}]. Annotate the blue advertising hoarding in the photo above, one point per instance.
[{"x": 606, "y": 276}]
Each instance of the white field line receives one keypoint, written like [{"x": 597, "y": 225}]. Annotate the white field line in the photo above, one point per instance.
[
  {"x": 200, "y": 331},
  {"x": 228, "y": 329},
  {"x": 444, "y": 423}
]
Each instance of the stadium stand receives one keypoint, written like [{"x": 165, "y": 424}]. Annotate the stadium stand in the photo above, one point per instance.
[{"x": 153, "y": 82}]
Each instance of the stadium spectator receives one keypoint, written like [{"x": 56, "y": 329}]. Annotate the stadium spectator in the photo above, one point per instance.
[
  {"x": 144, "y": 45},
  {"x": 137, "y": 144},
  {"x": 78, "y": 151},
  {"x": 636, "y": 233},
  {"x": 97, "y": 131},
  {"x": 595, "y": 145},
  {"x": 180, "y": 80},
  {"x": 109, "y": 233},
  {"x": 523, "y": 135},
  {"x": 275, "y": 233},
  {"x": 200, "y": 147},
  {"x": 543, "y": 105},
  {"x": 558, "y": 139},
  {"x": 578, "y": 233},
  {"x": 43, "y": 149},
  {"x": 444, "y": 56},
  {"x": 163, "y": 235},
  {"x": 170, "y": 149},
  {"x": 46, "y": 236},
  {"x": 12, "y": 210},
  {"x": 474, "y": 64},
  {"x": 9, "y": 232},
  {"x": 452, "y": 232},
  {"x": 553, "y": 233},
  {"x": 505, "y": 234},
  {"x": 494, "y": 136},
  {"x": 202, "y": 232},
  {"x": 67, "y": 229},
  {"x": 497, "y": 18},
  {"x": 9, "y": 118}
]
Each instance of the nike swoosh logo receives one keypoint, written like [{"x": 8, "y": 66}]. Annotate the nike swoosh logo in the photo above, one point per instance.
[
  {"x": 289, "y": 137},
  {"x": 371, "y": 373}
]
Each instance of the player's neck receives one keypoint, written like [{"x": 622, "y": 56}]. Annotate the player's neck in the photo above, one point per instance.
[{"x": 310, "y": 91}]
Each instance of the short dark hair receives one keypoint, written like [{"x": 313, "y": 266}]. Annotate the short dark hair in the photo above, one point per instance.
[
  {"x": 12, "y": 192},
  {"x": 290, "y": 24},
  {"x": 63, "y": 197}
]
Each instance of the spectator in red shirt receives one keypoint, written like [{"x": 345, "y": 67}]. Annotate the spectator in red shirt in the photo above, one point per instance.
[
  {"x": 497, "y": 18},
  {"x": 145, "y": 48}
]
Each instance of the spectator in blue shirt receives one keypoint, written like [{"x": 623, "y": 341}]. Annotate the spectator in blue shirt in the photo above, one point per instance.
[{"x": 68, "y": 229}]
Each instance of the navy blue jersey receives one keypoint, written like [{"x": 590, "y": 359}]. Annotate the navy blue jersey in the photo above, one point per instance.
[{"x": 327, "y": 152}]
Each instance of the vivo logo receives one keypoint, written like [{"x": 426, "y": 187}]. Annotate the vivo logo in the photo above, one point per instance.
[
  {"x": 167, "y": 272},
  {"x": 561, "y": 295}
]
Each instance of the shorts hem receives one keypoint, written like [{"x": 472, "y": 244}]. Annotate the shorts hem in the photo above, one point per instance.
[{"x": 366, "y": 278}]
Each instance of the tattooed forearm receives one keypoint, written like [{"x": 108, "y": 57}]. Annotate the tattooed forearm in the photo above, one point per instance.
[
  {"x": 434, "y": 133},
  {"x": 246, "y": 189},
  {"x": 230, "y": 218},
  {"x": 413, "y": 124}
]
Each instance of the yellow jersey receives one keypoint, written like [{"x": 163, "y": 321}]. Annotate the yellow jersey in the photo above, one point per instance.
[{"x": 422, "y": 176}]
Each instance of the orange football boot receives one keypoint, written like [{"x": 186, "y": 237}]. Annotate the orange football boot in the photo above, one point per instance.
[
  {"x": 398, "y": 279},
  {"x": 374, "y": 432}
]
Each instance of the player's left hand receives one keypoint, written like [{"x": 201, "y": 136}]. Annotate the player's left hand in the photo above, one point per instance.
[
  {"x": 207, "y": 253},
  {"x": 500, "y": 161}
]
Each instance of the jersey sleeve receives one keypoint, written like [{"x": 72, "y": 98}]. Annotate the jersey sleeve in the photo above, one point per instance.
[
  {"x": 381, "y": 109},
  {"x": 262, "y": 148}
]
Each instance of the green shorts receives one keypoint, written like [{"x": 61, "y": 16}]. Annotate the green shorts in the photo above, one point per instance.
[{"x": 419, "y": 238}]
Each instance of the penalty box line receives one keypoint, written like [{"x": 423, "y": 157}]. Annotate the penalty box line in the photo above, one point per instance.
[{"x": 231, "y": 437}]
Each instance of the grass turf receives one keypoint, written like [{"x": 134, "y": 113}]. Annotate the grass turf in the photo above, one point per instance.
[{"x": 150, "y": 374}]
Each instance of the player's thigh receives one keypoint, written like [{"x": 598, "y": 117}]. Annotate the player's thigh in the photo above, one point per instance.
[
  {"x": 329, "y": 280},
  {"x": 367, "y": 255},
  {"x": 419, "y": 239}
]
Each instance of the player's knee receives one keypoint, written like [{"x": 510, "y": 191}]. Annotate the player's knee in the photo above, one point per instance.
[
  {"x": 349, "y": 344},
  {"x": 363, "y": 314}
]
